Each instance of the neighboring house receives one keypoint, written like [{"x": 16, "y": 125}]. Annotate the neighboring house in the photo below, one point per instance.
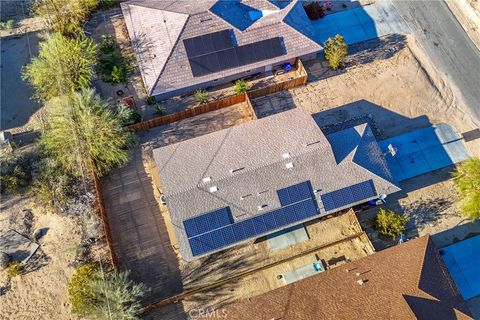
[
  {"x": 185, "y": 45},
  {"x": 250, "y": 180},
  {"x": 407, "y": 281}
]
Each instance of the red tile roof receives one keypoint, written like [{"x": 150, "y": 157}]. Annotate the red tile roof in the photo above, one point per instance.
[{"x": 408, "y": 281}]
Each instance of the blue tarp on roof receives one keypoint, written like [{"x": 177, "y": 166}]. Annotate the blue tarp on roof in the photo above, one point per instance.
[{"x": 424, "y": 150}]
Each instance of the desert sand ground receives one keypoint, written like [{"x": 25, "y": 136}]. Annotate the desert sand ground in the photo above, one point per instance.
[
  {"x": 39, "y": 294},
  {"x": 399, "y": 90}
]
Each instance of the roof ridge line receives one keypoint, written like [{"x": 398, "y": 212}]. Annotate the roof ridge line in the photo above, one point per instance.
[{"x": 244, "y": 171}]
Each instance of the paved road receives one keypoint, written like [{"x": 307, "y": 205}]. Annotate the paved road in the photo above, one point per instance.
[{"x": 447, "y": 45}]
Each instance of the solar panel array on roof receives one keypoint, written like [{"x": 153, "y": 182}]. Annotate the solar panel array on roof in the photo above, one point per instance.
[
  {"x": 298, "y": 205},
  {"x": 345, "y": 196},
  {"x": 208, "y": 43},
  {"x": 232, "y": 57},
  {"x": 207, "y": 222}
]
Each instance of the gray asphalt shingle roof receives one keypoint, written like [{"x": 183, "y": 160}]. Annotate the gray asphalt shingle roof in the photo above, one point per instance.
[
  {"x": 259, "y": 148},
  {"x": 157, "y": 28}
]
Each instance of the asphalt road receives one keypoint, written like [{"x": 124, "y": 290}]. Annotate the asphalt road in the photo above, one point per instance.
[{"x": 447, "y": 45}]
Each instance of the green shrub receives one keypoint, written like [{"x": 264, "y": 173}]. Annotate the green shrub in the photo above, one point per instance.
[
  {"x": 467, "y": 181},
  {"x": 150, "y": 100},
  {"x": 14, "y": 269},
  {"x": 201, "y": 96},
  {"x": 118, "y": 297},
  {"x": 335, "y": 50},
  {"x": 158, "y": 110},
  {"x": 82, "y": 297},
  {"x": 7, "y": 24},
  {"x": 65, "y": 16},
  {"x": 390, "y": 224},
  {"x": 113, "y": 65},
  {"x": 103, "y": 296},
  {"x": 136, "y": 117},
  {"x": 63, "y": 65},
  {"x": 15, "y": 172},
  {"x": 242, "y": 86}
]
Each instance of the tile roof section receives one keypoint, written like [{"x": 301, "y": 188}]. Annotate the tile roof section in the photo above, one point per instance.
[
  {"x": 407, "y": 281},
  {"x": 153, "y": 33},
  {"x": 258, "y": 148},
  {"x": 176, "y": 72}
]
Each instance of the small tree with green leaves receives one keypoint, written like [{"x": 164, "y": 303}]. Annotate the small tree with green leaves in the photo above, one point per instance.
[
  {"x": 65, "y": 16},
  {"x": 335, "y": 50},
  {"x": 467, "y": 181},
  {"x": 82, "y": 297},
  {"x": 63, "y": 65},
  {"x": 117, "y": 296},
  {"x": 242, "y": 86},
  {"x": 390, "y": 224},
  {"x": 201, "y": 96},
  {"x": 83, "y": 135},
  {"x": 113, "y": 64},
  {"x": 104, "y": 295}
]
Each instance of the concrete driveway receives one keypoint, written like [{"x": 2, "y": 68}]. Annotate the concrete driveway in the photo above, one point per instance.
[{"x": 361, "y": 24}]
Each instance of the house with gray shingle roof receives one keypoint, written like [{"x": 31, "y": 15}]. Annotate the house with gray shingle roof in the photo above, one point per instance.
[
  {"x": 263, "y": 35},
  {"x": 238, "y": 184}
]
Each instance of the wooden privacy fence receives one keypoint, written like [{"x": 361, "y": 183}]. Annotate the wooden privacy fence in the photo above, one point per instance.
[
  {"x": 102, "y": 213},
  {"x": 298, "y": 80},
  {"x": 191, "y": 112}
]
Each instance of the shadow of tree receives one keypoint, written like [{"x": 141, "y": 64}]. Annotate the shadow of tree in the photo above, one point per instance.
[
  {"x": 426, "y": 211},
  {"x": 360, "y": 53},
  {"x": 36, "y": 262}
]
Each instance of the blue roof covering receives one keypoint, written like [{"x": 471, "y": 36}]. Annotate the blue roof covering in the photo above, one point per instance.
[
  {"x": 367, "y": 152},
  {"x": 298, "y": 19},
  {"x": 280, "y": 3},
  {"x": 370, "y": 156},
  {"x": 237, "y": 14}
]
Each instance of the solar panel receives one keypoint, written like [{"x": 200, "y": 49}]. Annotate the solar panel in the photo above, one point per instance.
[
  {"x": 297, "y": 203},
  {"x": 207, "y": 222},
  {"x": 295, "y": 193},
  {"x": 203, "y": 62},
  {"x": 345, "y": 196},
  {"x": 208, "y": 43}
]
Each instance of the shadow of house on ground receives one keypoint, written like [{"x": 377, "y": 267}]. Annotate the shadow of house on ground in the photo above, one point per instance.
[
  {"x": 139, "y": 233},
  {"x": 273, "y": 103},
  {"x": 388, "y": 122}
]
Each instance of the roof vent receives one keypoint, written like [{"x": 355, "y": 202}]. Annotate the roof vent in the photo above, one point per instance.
[
  {"x": 213, "y": 189},
  {"x": 261, "y": 207},
  {"x": 286, "y": 155},
  {"x": 236, "y": 169},
  {"x": 289, "y": 165},
  {"x": 245, "y": 196},
  {"x": 207, "y": 179},
  {"x": 360, "y": 281}
]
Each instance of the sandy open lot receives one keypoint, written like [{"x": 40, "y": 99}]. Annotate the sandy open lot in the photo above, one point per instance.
[{"x": 41, "y": 293}]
